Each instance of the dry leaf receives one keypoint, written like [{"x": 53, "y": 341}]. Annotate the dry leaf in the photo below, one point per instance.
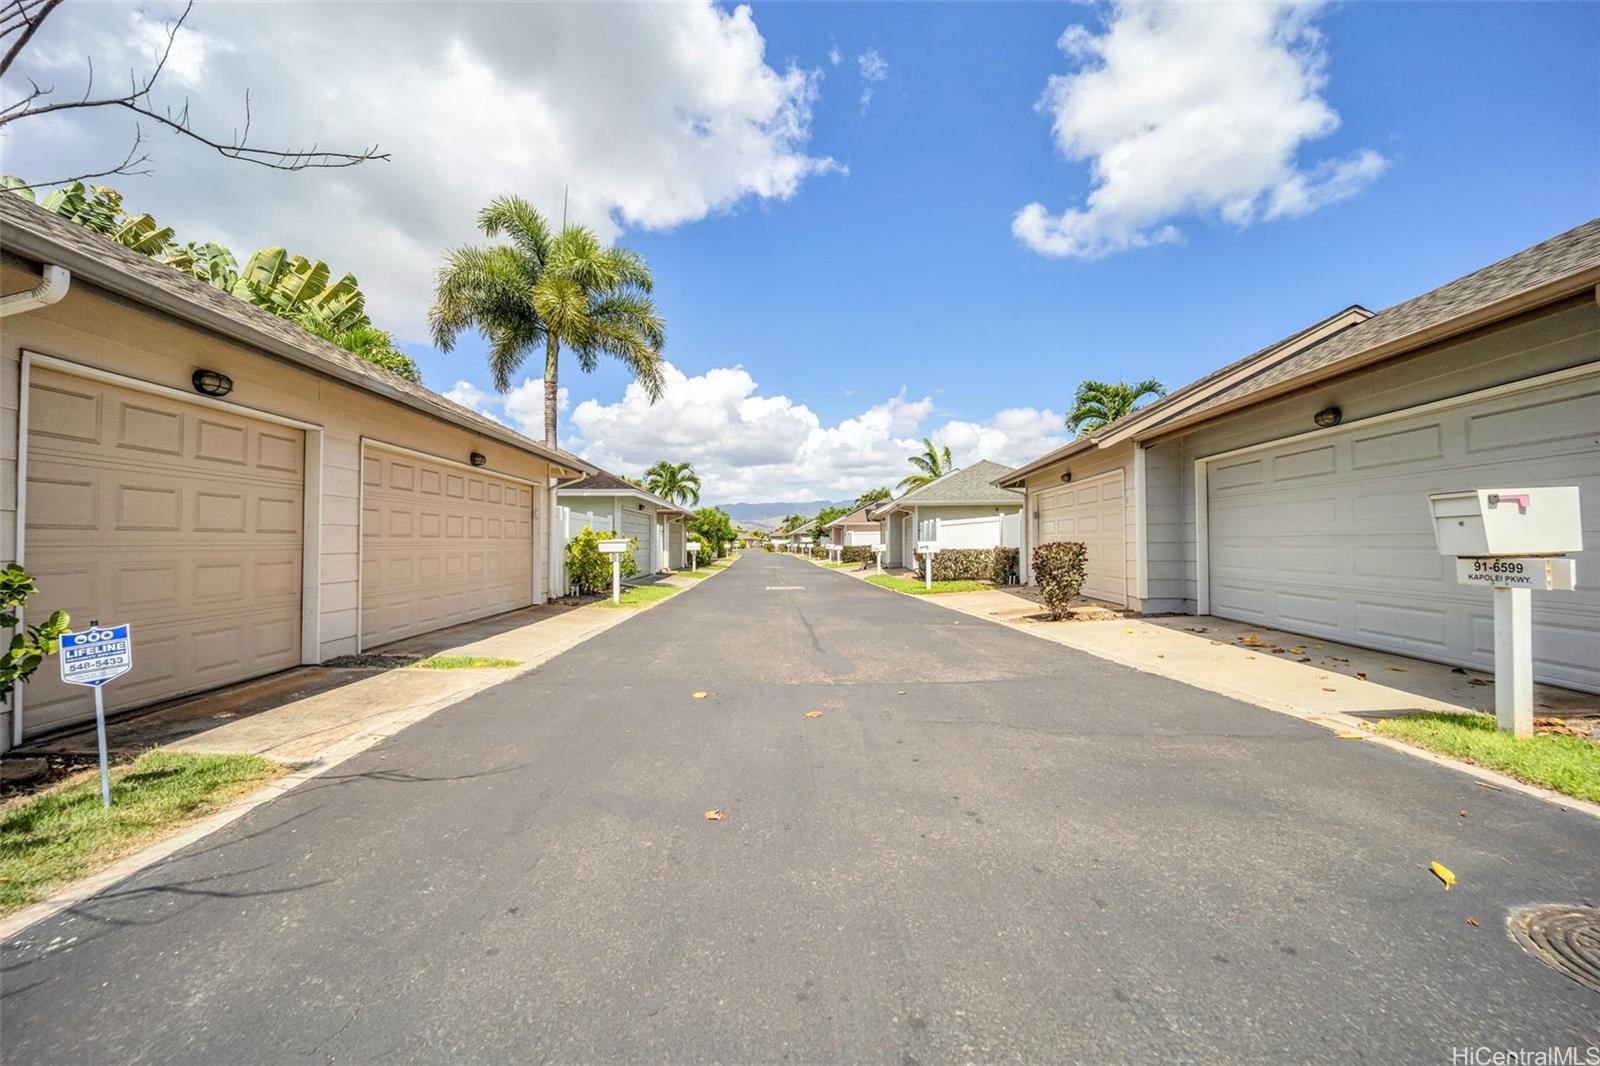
[
  {"x": 1398, "y": 669},
  {"x": 1360, "y": 676},
  {"x": 1297, "y": 651},
  {"x": 1327, "y": 689},
  {"x": 701, "y": 695},
  {"x": 1350, "y": 736},
  {"x": 716, "y": 814},
  {"x": 1472, "y": 921},
  {"x": 813, "y": 714},
  {"x": 1302, "y": 660},
  {"x": 1249, "y": 656},
  {"x": 1443, "y": 873},
  {"x": 1479, "y": 681},
  {"x": 1463, "y": 814}
]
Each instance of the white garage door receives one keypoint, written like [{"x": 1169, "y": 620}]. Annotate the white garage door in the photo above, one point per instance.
[
  {"x": 1091, "y": 512},
  {"x": 1331, "y": 535},
  {"x": 636, "y": 524},
  {"x": 181, "y": 519},
  {"x": 440, "y": 544}
]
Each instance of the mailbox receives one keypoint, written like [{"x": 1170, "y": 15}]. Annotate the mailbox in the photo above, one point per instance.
[
  {"x": 615, "y": 547},
  {"x": 1485, "y": 522}
]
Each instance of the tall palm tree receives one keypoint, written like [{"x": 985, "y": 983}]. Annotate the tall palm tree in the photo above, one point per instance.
[
  {"x": 931, "y": 464},
  {"x": 673, "y": 482},
  {"x": 555, "y": 290},
  {"x": 1100, "y": 403}
]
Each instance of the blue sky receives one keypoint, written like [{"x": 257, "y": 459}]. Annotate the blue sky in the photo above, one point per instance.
[{"x": 895, "y": 277}]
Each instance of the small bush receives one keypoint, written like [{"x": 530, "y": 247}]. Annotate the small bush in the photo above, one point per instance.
[
  {"x": 856, "y": 553},
  {"x": 589, "y": 568},
  {"x": 1059, "y": 570},
  {"x": 960, "y": 564},
  {"x": 1004, "y": 569}
]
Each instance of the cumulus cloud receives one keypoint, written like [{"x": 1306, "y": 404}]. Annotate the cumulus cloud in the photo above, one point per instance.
[
  {"x": 522, "y": 408},
  {"x": 750, "y": 446},
  {"x": 1190, "y": 109},
  {"x": 642, "y": 115},
  {"x": 874, "y": 68}
]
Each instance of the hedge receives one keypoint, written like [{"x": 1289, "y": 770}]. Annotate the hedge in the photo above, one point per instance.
[
  {"x": 1059, "y": 570},
  {"x": 972, "y": 564},
  {"x": 1004, "y": 569}
]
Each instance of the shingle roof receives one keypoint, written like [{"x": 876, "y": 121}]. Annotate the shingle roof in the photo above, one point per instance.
[
  {"x": 605, "y": 481},
  {"x": 973, "y": 484},
  {"x": 33, "y": 233},
  {"x": 858, "y": 516},
  {"x": 1561, "y": 256}
]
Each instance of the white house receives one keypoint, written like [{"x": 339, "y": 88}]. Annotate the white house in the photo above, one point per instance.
[
  {"x": 610, "y": 504},
  {"x": 1290, "y": 488},
  {"x": 962, "y": 509},
  {"x": 854, "y": 529}
]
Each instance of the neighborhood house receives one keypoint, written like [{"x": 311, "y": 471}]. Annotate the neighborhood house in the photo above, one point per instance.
[
  {"x": 855, "y": 529},
  {"x": 609, "y": 504},
  {"x": 1290, "y": 488},
  {"x": 962, "y": 509},
  {"x": 246, "y": 496}
]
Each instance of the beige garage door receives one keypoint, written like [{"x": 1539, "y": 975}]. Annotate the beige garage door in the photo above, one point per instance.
[
  {"x": 180, "y": 519},
  {"x": 676, "y": 549},
  {"x": 1092, "y": 514},
  {"x": 636, "y": 524},
  {"x": 440, "y": 545}
]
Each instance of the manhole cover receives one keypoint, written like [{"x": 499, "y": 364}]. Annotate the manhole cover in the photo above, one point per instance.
[{"x": 1566, "y": 936}]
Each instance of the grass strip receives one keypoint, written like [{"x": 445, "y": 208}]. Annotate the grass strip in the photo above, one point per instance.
[
  {"x": 916, "y": 587},
  {"x": 1566, "y": 764}
]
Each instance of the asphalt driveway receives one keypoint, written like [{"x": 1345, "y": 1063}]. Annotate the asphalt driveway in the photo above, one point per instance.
[{"x": 988, "y": 847}]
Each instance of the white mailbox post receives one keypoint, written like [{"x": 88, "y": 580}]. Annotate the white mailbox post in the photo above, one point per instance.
[
  {"x": 928, "y": 549},
  {"x": 835, "y": 553},
  {"x": 694, "y": 555},
  {"x": 616, "y": 549},
  {"x": 1514, "y": 541},
  {"x": 878, "y": 548}
]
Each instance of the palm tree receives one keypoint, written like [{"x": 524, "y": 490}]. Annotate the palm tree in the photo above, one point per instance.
[
  {"x": 673, "y": 482},
  {"x": 931, "y": 465},
  {"x": 556, "y": 290},
  {"x": 1099, "y": 403}
]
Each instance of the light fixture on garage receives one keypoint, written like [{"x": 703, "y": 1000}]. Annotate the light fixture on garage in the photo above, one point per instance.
[
  {"x": 211, "y": 383},
  {"x": 1066, "y": 478},
  {"x": 1328, "y": 417},
  {"x": 478, "y": 458}
]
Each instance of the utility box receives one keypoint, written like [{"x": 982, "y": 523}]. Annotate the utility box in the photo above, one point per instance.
[{"x": 1485, "y": 522}]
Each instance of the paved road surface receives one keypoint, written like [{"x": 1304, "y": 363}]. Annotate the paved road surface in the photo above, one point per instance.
[{"x": 989, "y": 848}]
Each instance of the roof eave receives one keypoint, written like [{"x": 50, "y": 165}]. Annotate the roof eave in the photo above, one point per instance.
[{"x": 23, "y": 242}]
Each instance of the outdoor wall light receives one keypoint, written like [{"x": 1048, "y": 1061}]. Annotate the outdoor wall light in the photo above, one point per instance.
[
  {"x": 211, "y": 383},
  {"x": 478, "y": 458},
  {"x": 1329, "y": 417},
  {"x": 1066, "y": 478}
]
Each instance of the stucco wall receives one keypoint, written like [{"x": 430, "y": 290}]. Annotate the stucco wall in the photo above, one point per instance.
[
  {"x": 96, "y": 330},
  {"x": 1538, "y": 343}
]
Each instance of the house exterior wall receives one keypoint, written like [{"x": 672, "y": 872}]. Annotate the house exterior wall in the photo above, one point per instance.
[
  {"x": 92, "y": 329},
  {"x": 1540, "y": 342}
]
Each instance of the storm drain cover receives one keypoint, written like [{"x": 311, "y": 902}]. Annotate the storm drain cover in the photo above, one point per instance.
[{"x": 1563, "y": 935}]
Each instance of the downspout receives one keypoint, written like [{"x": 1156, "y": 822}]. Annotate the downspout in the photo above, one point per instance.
[
  {"x": 52, "y": 287},
  {"x": 57, "y": 280}
]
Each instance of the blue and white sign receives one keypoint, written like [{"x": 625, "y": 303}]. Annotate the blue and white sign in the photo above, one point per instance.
[{"x": 96, "y": 655}]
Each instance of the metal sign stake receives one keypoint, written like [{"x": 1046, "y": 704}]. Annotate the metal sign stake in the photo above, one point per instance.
[
  {"x": 100, "y": 727},
  {"x": 93, "y": 657}
]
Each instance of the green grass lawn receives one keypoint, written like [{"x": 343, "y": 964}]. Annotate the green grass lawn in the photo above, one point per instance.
[
  {"x": 695, "y": 575},
  {"x": 57, "y": 836},
  {"x": 1569, "y": 765},
  {"x": 842, "y": 566},
  {"x": 465, "y": 662},
  {"x": 638, "y": 596},
  {"x": 916, "y": 587}
]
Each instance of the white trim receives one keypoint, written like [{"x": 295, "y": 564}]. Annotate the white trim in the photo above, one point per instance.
[
  {"x": 430, "y": 457},
  {"x": 361, "y": 534},
  {"x": 310, "y": 489},
  {"x": 1202, "y": 576},
  {"x": 1141, "y": 527}
]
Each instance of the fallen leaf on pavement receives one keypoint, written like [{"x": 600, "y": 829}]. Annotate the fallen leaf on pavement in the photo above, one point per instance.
[
  {"x": 1360, "y": 676},
  {"x": 813, "y": 714},
  {"x": 1457, "y": 670},
  {"x": 1302, "y": 660},
  {"x": 1398, "y": 669},
  {"x": 1350, "y": 736},
  {"x": 1327, "y": 689},
  {"x": 1479, "y": 681},
  {"x": 1443, "y": 873},
  {"x": 701, "y": 695},
  {"x": 716, "y": 814},
  {"x": 1486, "y": 784},
  {"x": 1472, "y": 921},
  {"x": 1463, "y": 814}
]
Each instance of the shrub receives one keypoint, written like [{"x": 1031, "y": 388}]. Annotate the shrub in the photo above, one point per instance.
[
  {"x": 856, "y": 553},
  {"x": 1004, "y": 569},
  {"x": 589, "y": 568},
  {"x": 1059, "y": 569},
  {"x": 30, "y": 647},
  {"x": 960, "y": 564}
]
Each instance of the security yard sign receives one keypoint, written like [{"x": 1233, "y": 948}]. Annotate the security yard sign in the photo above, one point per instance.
[
  {"x": 93, "y": 658},
  {"x": 96, "y": 655}
]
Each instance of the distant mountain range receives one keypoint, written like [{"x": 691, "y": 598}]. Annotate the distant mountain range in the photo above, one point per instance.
[{"x": 768, "y": 516}]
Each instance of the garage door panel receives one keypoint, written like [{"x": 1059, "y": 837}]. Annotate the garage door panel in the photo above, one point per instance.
[
  {"x": 1397, "y": 592},
  {"x": 180, "y": 519},
  {"x": 439, "y": 546},
  {"x": 1094, "y": 515}
]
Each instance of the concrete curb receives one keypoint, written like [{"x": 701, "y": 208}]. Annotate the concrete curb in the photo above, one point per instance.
[
  {"x": 1334, "y": 722},
  {"x": 92, "y": 885}
]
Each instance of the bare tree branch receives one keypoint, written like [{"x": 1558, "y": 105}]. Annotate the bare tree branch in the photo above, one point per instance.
[
  {"x": 129, "y": 165},
  {"x": 25, "y": 16}
]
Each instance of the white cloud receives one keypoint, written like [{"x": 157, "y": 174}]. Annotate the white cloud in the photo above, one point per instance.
[
  {"x": 747, "y": 446},
  {"x": 522, "y": 408},
  {"x": 472, "y": 100},
  {"x": 874, "y": 68},
  {"x": 1190, "y": 109},
  {"x": 835, "y": 56}
]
